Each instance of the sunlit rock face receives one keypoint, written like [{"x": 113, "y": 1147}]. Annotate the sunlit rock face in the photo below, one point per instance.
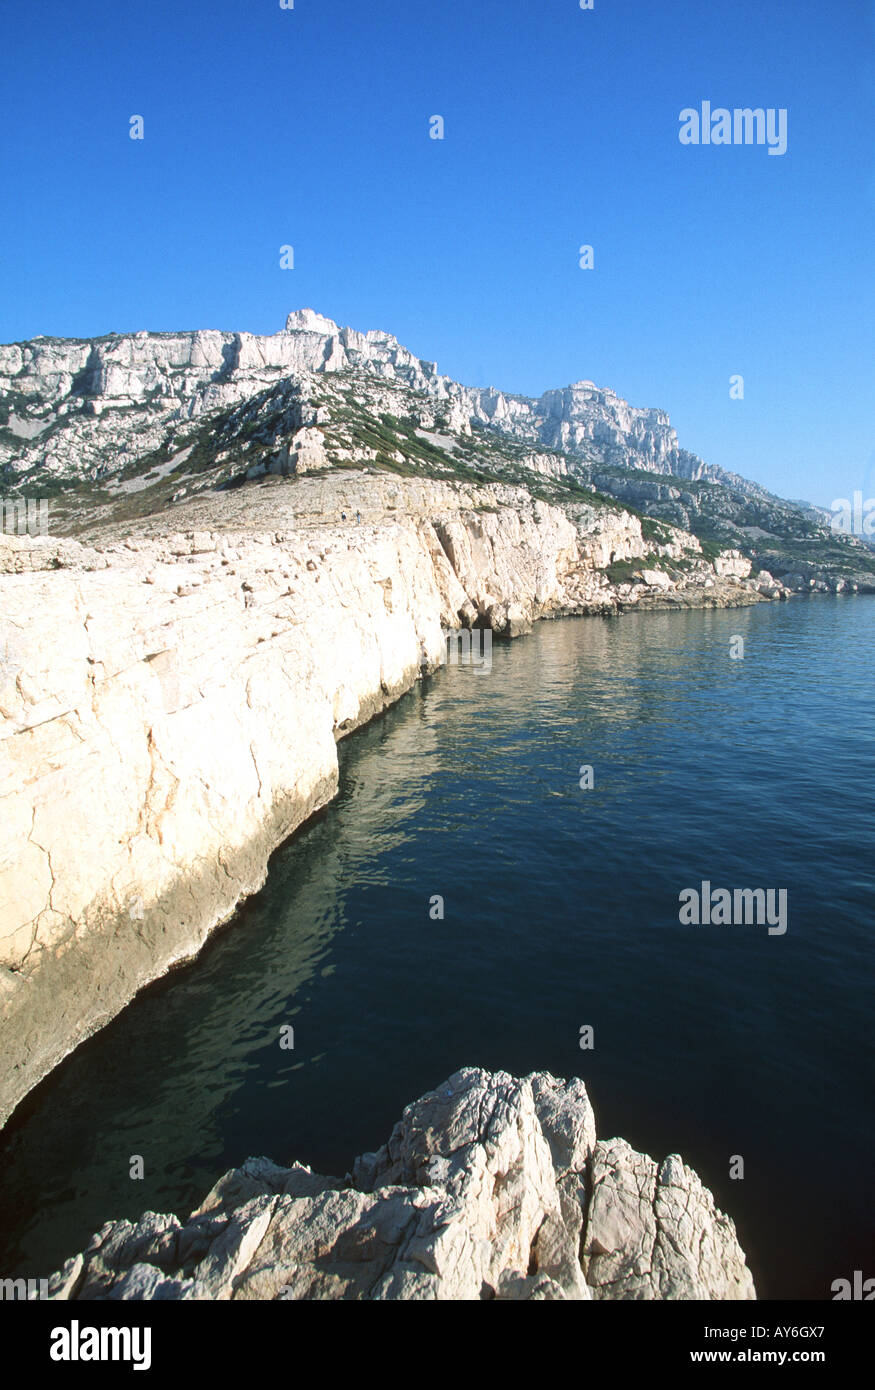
[
  {"x": 489, "y": 1187},
  {"x": 170, "y": 700}
]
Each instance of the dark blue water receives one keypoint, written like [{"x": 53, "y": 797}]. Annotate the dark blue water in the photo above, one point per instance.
[{"x": 561, "y": 909}]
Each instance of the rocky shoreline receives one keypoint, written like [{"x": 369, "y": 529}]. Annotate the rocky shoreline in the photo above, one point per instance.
[
  {"x": 171, "y": 699},
  {"x": 490, "y": 1187},
  {"x": 259, "y": 545}
]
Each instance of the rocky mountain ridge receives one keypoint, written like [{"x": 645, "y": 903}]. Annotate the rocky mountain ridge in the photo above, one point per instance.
[
  {"x": 50, "y": 383},
  {"x": 126, "y": 424}
]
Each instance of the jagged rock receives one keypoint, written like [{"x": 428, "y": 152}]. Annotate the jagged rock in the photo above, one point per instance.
[
  {"x": 653, "y": 1231},
  {"x": 307, "y": 451},
  {"x": 183, "y": 375},
  {"x": 489, "y": 1187}
]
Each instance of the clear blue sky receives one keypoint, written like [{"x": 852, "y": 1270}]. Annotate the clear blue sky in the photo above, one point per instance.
[{"x": 309, "y": 127}]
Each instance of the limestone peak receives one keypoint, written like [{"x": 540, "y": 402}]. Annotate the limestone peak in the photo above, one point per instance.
[{"x": 308, "y": 321}]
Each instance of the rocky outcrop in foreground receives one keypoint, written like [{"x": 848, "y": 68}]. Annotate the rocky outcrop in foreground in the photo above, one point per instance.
[{"x": 489, "y": 1187}]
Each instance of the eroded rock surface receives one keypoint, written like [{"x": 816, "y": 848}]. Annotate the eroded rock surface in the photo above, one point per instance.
[
  {"x": 171, "y": 699},
  {"x": 654, "y": 1232},
  {"x": 490, "y": 1187}
]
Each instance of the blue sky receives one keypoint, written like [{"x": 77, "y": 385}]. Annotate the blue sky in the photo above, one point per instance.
[{"x": 309, "y": 127}]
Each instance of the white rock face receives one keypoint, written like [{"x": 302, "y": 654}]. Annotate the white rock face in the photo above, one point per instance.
[
  {"x": 657, "y": 578},
  {"x": 581, "y": 415},
  {"x": 170, "y": 703},
  {"x": 489, "y": 1188},
  {"x": 732, "y": 562},
  {"x": 308, "y": 321},
  {"x": 654, "y": 1231},
  {"x": 171, "y": 719},
  {"x": 307, "y": 453}
]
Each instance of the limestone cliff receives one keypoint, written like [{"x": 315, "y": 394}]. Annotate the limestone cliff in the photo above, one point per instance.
[{"x": 171, "y": 699}]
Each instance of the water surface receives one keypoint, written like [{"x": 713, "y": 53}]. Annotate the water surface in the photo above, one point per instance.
[{"x": 561, "y": 909}]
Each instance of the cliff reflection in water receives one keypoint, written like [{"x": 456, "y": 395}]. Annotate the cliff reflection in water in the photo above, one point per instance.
[{"x": 560, "y": 909}]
